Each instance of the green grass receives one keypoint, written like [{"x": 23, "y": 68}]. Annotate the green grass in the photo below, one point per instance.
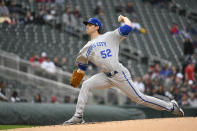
[{"x": 4, "y": 127}]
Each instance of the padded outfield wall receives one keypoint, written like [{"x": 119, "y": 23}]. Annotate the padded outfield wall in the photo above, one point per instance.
[{"x": 52, "y": 114}]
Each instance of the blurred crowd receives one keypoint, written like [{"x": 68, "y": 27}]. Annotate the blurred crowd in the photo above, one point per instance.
[
  {"x": 57, "y": 13},
  {"x": 47, "y": 64},
  {"x": 47, "y": 13},
  {"x": 166, "y": 80},
  {"x": 36, "y": 98}
]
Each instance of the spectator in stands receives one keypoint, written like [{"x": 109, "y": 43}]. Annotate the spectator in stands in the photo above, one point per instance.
[
  {"x": 174, "y": 30},
  {"x": 76, "y": 12},
  {"x": 129, "y": 7},
  {"x": 156, "y": 83},
  {"x": 148, "y": 85},
  {"x": 67, "y": 5},
  {"x": 68, "y": 20},
  {"x": 63, "y": 64},
  {"x": 155, "y": 71},
  {"x": 189, "y": 71},
  {"x": 174, "y": 71},
  {"x": 151, "y": 69},
  {"x": 2, "y": 92},
  {"x": 37, "y": 98},
  {"x": 15, "y": 8},
  {"x": 14, "y": 97},
  {"x": 98, "y": 8},
  {"x": 14, "y": 19},
  {"x": 119, "y": 8},
  {"x": 139, "y": 84},
  {"x": 4, "y": 9},
  {"x": 53, "y": 99},
  {"x": 188, "y": 48},
  {"x": 177, "y": 94},
  {"x": 165, "y": 71},
  {"x": 170, "y": 93},
  {"x": 184, "y": 100},
  {"x": 161, "y": 91},
  {"x": 34, "y": 59},
  {"x": 67, "y": 99},
  {"x": 185, "y": 34},
  {"x": 137, "y": 27},
  {"x": 168, "y": 82},
  {"x": 48, "y": 66},
  {"x": 29, "y": 19},
  {"x": 192, "y": 100},
  {"x": 185, "y": 85},
  {"x": 135, "y": 24},
  {"x": 191, "y": 29},
  {"x": 161, "y": 3},
  {"x": 41, "y": 15},
  {"x": 43, "y": 57},
  {"x": 191, "y": 86},
  {"x": 4, "y": 19},
  {"x": 56, "y": 62},
  {"x": 178, "y": 82},
  {"x": 50, "y": 17}
]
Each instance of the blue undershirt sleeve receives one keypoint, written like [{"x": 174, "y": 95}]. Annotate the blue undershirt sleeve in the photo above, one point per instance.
[{"x": 82, "y": 66}]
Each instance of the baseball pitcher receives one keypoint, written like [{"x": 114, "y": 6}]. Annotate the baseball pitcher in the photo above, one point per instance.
[{"x": 102, "y": 50}]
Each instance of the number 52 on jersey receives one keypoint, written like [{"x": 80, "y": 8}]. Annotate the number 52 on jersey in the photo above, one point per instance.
[{"x": 105, "y": 53}]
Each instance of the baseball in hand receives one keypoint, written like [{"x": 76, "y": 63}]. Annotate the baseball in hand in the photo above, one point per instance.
[{"x": 121, "y": 18}]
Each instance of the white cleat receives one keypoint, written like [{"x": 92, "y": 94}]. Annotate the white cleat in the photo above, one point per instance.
[
  {"x": 176, "y": 109},
  {"x": 74, "y": 120}
]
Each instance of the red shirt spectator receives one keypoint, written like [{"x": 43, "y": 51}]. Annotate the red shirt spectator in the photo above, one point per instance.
[
  {"x": 189, "y": 72},
  {"x": 34, "y": 58},
  {"x": 174, "y": 30},
  {"x": 31, "y": 60}
]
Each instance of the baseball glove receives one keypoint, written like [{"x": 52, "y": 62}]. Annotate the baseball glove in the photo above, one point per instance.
[{"x": 76, "y": 78}]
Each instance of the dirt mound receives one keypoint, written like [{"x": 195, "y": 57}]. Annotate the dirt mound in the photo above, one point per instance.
[{"x": 166, "y": 124}]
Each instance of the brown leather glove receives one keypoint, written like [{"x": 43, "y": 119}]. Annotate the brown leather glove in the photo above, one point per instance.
[{"x": 76, "y": 78}]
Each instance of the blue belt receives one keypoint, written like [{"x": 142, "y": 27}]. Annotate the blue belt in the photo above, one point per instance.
[{"x": 110, "y": 74}]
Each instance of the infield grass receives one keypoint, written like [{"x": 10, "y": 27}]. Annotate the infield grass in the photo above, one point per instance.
[{"x": 4, "y": 127}]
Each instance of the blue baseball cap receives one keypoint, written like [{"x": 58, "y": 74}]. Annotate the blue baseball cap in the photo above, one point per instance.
[{"x": 94, "y": 21}]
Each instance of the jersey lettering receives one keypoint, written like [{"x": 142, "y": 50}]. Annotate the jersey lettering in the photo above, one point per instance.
[
  {"x": 92, "y": 46},
  {"x": 106, "y": 53}
]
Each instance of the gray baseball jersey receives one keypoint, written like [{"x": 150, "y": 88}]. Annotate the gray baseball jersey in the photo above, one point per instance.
[{"x": 102, "y": 51}]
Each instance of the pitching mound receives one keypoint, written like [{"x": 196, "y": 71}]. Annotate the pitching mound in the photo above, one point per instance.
[{"x": 167, "y": 124}]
